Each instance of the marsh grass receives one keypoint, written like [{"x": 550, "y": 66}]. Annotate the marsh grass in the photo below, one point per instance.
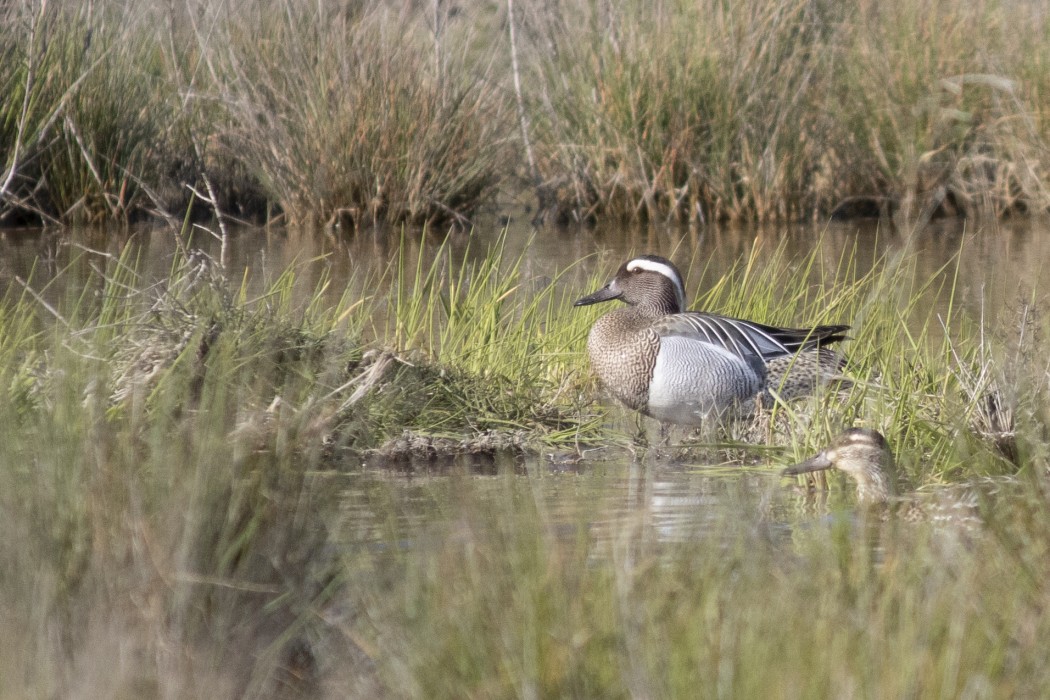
[
  {"x": 178, "y": 458},
  {"x": 783, "y": 110},
  {"x": 377, "y": 132},
  {"x": 354, "y": 115},
  {"x": 688, "y": 111},
  {"x": 323, "y": 113},
  {"x": 91, "y": 121},
  {"x": 490, "y": 324}
]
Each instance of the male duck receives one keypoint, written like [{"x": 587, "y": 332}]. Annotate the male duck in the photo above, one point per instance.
[{"x": 687, "y": 366}]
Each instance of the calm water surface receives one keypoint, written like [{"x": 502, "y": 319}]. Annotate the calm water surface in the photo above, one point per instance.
[{"x": 658, "y": 498}]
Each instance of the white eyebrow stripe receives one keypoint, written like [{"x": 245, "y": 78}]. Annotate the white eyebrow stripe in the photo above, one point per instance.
[
  {"x": 661, "y": 269},
  {"x": 652, "y": 266}
]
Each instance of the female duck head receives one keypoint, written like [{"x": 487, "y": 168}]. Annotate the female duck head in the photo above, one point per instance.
[{"x": 861, "y": 453}]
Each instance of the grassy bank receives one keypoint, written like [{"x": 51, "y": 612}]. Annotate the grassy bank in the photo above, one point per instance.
[
  {"x": 175, "y": 450},
  {"x": 186, "y": 508},
  {"x": 393, "y": 112},
  {"x": 177, "y": 460}
]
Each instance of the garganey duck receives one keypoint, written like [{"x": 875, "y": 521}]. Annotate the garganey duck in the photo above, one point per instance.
[
  {"x": 865, "y": 456},
  {"x": 861, "y": 453},
  {"x": 685, "y": 367}
]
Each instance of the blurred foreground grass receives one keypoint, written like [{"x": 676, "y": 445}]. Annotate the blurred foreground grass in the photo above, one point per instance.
[{"x": 177, "y": 462}]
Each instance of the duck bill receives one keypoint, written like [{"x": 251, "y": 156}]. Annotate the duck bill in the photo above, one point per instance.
[
  {"x": 606, "y": 293},
  {"x": 813, "y": 464}
]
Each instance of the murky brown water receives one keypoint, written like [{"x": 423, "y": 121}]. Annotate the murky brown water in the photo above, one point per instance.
[
  {"x": 999, "y": 262},
  {"x": 1000, "y": 267}
]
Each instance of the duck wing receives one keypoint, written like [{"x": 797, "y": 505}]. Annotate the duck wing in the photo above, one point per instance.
[{"x": 748, "y": 340}]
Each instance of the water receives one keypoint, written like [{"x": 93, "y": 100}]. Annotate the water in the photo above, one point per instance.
[
  {"x": 659, "y": 498},
  {"x": 1000, "y": 263}
]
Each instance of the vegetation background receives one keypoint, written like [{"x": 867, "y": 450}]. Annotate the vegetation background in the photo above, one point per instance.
[
  {"x": 187, "y": 464},
  {"x": 399, "y": 111}
]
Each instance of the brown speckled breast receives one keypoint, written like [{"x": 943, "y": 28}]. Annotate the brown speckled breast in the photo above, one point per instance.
[{"x": 623, "y": 351}]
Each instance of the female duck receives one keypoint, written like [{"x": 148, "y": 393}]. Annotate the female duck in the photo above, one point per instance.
[
  {"x": 861, "y": 453},
  {"x": 865, "y": 456}
]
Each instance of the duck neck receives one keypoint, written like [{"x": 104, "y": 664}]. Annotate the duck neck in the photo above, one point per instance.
[
  {"x": 874, "y": 487},
  {"x": 663, "y": 304}
]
